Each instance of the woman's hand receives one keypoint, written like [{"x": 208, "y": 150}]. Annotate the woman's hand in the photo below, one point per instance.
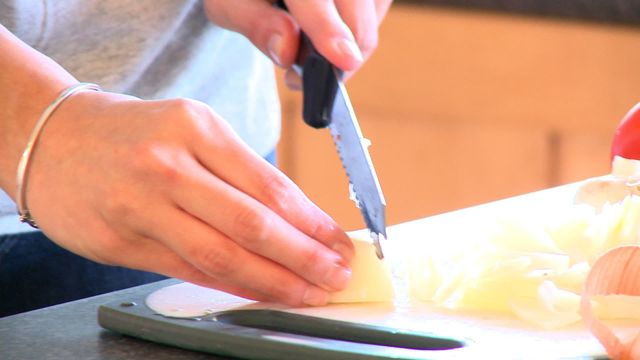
[
  {"x": 166, "y": 186},
  {"x": 344, "y": 31}
]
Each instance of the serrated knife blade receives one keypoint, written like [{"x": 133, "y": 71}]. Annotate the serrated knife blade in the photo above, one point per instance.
[
  {"x": 354, "y": 154},
  {"x": 326, "y": 103}
]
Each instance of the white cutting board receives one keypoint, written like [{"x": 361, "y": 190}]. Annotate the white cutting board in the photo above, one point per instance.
[{"x": 488, "y": 335}]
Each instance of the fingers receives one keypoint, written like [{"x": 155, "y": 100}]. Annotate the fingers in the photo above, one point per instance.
[
  {"x": 153, "y": 255},
  {"x": 258, "y": 229},
  {"x": 361, "y": 17},
  {"x": 253, "y": 176},
  {"x": 344, "y": 31},
  {"x": 222, "y": 264},
  {"x": 258, "y": 214},
  {"x": 271, "y": 30},
  {"x": 322, "y": 22},
  {"x": 382, "y": 7},
  {"x": 167, "y": 262}
]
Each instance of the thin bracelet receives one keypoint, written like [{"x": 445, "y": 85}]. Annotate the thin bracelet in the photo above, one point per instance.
[{"x": 23, "y": 165}]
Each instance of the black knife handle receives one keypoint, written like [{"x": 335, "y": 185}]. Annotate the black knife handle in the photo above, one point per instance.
[{"x": 319, "y": 82}]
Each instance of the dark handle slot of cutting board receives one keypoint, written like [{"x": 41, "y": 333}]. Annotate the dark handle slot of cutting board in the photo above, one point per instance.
[{"x": 337, "y": 330}]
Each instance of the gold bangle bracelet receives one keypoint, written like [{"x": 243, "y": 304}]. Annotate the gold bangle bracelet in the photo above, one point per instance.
[{"x": 23, "y": 164}]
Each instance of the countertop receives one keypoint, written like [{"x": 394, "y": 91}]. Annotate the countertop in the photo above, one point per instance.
[
  {"x": 611, "y": 11},
  {"x": 71, "y": 331}
]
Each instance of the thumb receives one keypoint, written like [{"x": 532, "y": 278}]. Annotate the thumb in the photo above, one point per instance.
[{"x": 321, "y": 21}]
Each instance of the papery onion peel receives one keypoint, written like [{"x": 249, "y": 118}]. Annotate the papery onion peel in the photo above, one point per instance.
[{"x": 617, "y": 272}]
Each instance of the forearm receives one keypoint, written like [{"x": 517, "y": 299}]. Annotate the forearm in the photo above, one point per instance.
[{"x": 29, "y": 81}]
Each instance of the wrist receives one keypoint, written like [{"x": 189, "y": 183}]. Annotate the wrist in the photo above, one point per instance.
[
  {"x": 18, "y": 125},
  {"x": 31, "y": 83},
  {"x": 32, "y": 143}
]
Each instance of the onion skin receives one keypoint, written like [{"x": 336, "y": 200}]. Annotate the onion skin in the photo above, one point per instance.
[{"x": 615, "y": 272}]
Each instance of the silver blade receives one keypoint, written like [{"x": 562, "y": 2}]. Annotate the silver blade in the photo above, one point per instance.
[{"x": 352, "y": 148}]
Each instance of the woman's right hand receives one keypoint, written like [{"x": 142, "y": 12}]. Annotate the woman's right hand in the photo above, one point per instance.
[
  {"x": 344, "y": 31},
  {"x": 166, "y": 186}
]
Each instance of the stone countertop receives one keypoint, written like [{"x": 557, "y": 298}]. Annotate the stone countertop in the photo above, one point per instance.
[
  {"x": 610, "y": 11},
  {"x": 71, "y": 331}
]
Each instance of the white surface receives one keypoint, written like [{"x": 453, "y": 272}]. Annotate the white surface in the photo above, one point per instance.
[{"x": 488, "y": 335}]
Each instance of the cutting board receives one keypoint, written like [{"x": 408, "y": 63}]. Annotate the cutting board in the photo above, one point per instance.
[{"x": 405, "y": 329}]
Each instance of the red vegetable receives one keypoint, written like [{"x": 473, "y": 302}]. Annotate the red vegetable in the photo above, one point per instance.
[{"x": 626, "y": 141}]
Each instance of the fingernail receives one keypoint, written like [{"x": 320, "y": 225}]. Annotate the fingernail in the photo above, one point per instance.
[
  {"x": 345, "y": 251},
  {"x": 350, "y": 48},
  {"x": 315, "y": 296},
  {"x": 293, "y": 80},
  {"x": 274, "y": 47},
  {"x": 337, "y": 277}
]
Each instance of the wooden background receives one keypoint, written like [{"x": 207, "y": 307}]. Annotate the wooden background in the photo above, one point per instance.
[{"x": 464, "y": 107}]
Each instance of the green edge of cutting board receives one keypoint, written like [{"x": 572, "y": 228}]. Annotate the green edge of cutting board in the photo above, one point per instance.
[{"x": 272, "y": 334}]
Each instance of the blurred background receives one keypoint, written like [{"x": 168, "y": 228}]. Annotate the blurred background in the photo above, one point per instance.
[{"x": 477, "y": 101}]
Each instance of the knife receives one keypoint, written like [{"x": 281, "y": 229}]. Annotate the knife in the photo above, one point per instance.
[{"x": 326, "y": 104}]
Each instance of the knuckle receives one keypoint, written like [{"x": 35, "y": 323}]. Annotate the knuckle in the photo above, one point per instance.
[
  {"x": 195, "y": 118},
  {"x": 158, "y": 162},
  {"x": 216, "y": 262},
  {"x": 316, "y": 229},
  {"x": 117, "y": 206},
  {"x": 168, "y": 172},
  {"x": 255, "y": 34},
  {"x": 276, "y": 193},
  {"x": 143, "y": 158},
  {"x": 184, "y": 106},
  {"x": 283, "y": 291},
  {"x": 312, "y": 260},
  {"x": 281, "y": 196},
  {"x": 187, "y": 111},
  {"x": 252, "y": 226},
  {"x": 259, "y": 30}
]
